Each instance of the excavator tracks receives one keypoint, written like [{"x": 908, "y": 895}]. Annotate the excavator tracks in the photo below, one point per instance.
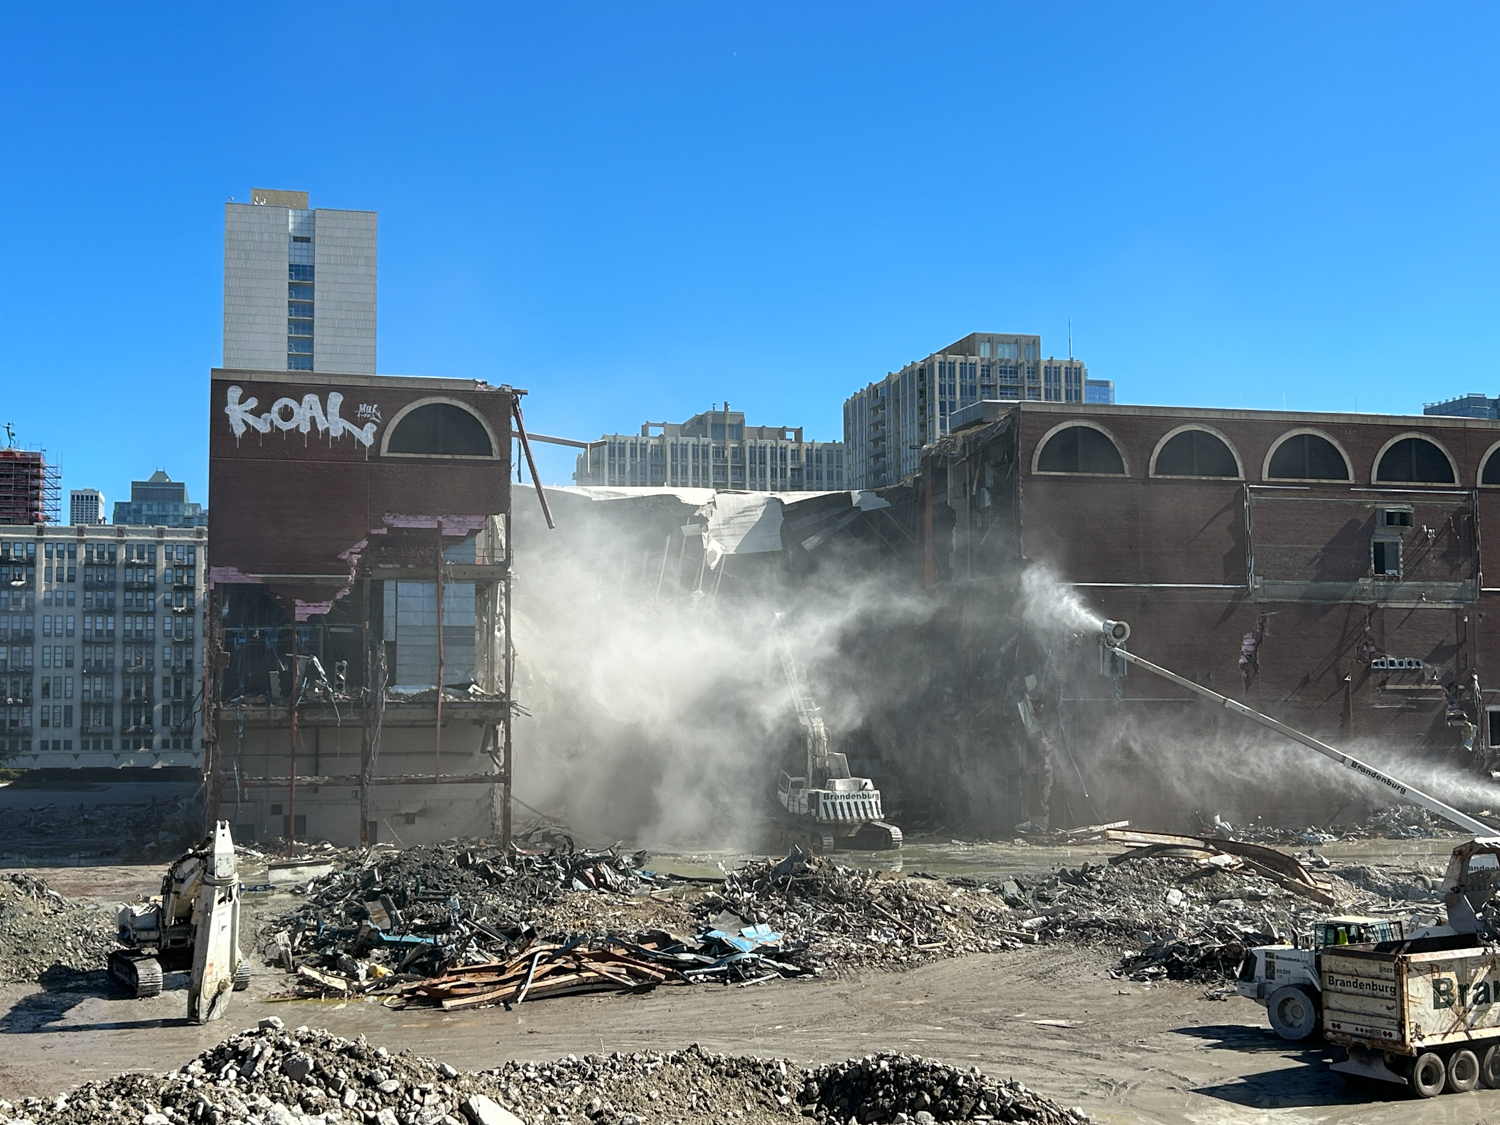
[{"x": 136, "y": 972}]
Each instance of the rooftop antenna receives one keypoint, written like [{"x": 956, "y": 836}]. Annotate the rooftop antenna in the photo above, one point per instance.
[{"x": 1070, "y": 337}]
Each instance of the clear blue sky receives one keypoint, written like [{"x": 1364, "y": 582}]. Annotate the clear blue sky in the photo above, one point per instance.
[{"x": 635, "y": 211}]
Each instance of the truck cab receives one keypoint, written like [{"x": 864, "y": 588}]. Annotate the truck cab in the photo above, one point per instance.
[{"x": 1284, "y": 977}]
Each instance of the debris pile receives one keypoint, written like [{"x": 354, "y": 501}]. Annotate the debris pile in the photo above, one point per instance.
[
  {"x": 271, "y": 1076},
  {"x": 39, "y": 929},
  {"x": 843, "y": 916},
  {"x": 145, "y": 831}
]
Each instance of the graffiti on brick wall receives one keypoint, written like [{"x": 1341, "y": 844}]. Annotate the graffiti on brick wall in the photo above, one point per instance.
[{"x": 301, "y": 415}]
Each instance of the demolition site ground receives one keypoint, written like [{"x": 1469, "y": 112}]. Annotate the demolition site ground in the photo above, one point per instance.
[{"x": 1061, "y": 999}]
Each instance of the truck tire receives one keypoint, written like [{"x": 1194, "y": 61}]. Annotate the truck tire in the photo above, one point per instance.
[
  {"x": 1489, "y": 1068},
  {"x": 1463, "y": 1071},
  {"x": 1428, "y": 1075},
  {"x": 1293, "y": 1012}
]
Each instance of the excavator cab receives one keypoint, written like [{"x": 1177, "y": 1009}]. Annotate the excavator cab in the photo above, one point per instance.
[{"x": 1357, "y": 931}]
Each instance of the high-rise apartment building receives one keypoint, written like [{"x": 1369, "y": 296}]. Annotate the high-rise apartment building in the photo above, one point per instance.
[
  {"x": 86, "y": 506},
  {"x": 887, "y": 424},
  {"x": 714, "y": 449},
  {"x": 299, "y": 286},
  {"x": 159, "y": 502},
  {"x": 100, "y": 646}
]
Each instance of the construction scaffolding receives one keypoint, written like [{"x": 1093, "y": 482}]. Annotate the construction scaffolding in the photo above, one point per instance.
[{"x": 30, "y": 488}]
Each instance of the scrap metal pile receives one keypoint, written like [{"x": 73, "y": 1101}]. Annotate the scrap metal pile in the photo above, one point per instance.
[
  {"x": 282, "y": 1077},
  {"x": 41, "y": 931}
]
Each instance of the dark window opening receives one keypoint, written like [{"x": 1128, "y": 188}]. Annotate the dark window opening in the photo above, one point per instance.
[
  {"x": 1196, "y": 453},
  {"x": 411, "y": 817},
  {"x": 1415, "y": 459},
  {"x": 1385, "y": 558},
  {"x": 1491, "y": 474},
  {"x": 1080, "y": 449},
  {"x": 441, "y": 427},
  {"x": 1395, "y": 517},
  {"x": 1308, "y": 457}
]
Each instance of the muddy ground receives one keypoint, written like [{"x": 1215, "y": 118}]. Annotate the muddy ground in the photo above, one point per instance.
[{"x": 1048, "y": 1016}]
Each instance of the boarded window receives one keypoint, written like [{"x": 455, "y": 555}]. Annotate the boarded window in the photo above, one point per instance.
[
  {"x": 1308, "y": 457},
  {"x": 1080, "y": 449},
  {"x": 1415, "y": 459},
  {"x": 1196, "y": 453},
  {"x": 441, "y": 427}
]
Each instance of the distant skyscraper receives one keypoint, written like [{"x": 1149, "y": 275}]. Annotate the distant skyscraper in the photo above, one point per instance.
[
  {"x": 85, "y": 506},
  {"x": 299, "y": 286},
  {"x": 887, "y": 424},
  {"x": 1099, "y": 392},
  {"x": 159, "y": 502}
]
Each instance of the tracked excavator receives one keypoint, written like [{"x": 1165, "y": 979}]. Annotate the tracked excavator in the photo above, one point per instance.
[
  {"x": 194, "y": 924},
  {"x": 825, "y": 808},
  {"x": 1287, "y": 978}
]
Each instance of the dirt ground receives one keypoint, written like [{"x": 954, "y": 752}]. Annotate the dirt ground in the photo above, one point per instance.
[{"x": 1048, "y": 1016}]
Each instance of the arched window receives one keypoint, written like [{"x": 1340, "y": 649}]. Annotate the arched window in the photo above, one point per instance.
[
  {"x": 1080, "y": 449},
  {"x": 1196, "y": 453},
  {"x": 1415, "y": 459},
  {"x": 1307, "y": 457},
  {"x": 441, "y": 428},
  {"x": 1490, "y": 474}
]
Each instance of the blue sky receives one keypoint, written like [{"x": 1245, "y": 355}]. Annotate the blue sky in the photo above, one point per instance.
[{"x": 636, "y": 211}]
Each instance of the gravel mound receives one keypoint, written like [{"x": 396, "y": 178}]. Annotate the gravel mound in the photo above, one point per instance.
[
  {"x": 39, "y": 929},
  {"x": 270, "y": 1076}
]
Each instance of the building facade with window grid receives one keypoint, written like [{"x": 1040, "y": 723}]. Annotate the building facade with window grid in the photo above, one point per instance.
[
  {"x": 714, "y": 449},
  {"x": 887, "y": 423},
  {"x": 299, "y": 286},
  {"x": 101, "y": 646}
]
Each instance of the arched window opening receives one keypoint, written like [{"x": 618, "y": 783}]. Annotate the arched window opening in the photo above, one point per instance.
[
  {"x": 1415, "y": 459},
  {"x": 1491, "y": 473},
  {"x": 441, "y": 428},
  {"x": 1196, "y": 453},
  {"x": 1308, "y": 457},
  {"x": 1080, "y": 449}
]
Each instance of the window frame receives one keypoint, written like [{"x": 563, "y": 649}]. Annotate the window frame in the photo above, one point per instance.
[
  {"x": 1483, "y": 461},
  {"x": 1348, "y": 478},
  {"x": 1239, "y": 462},
  {"x": 1036, "y": 453},
  {"x": 1456, "y": 482},
  {"x": 430, "y": 400}
]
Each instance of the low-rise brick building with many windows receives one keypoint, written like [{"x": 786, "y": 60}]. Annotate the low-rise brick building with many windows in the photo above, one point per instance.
[{"x": 100, "y": 646}]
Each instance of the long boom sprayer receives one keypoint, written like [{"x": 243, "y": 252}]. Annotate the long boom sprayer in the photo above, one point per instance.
[{"x": 1114, "y": 634}]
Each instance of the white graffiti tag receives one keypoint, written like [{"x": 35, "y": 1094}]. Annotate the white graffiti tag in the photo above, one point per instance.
[{"x": 289, "y": 414}]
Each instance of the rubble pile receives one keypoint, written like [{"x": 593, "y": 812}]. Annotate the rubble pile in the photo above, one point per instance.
[
  {"x": 145, "y": 831},
  {"x": 841, "y": 915},
  {"x": 1395, "y": 822},
  {"x": 39, "y": 929},
  {"x": 271, "y": 1076}
]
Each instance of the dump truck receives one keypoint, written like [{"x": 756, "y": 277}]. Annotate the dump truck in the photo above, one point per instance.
[
  {"x": 824, "y": 807},
  {"x": 1288, "y": 978},
  {"x": 1424, "y": 1012},
  {"x": 193, "y": 925}
]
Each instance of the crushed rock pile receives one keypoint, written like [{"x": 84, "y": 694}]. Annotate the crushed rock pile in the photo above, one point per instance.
[
  {"x": 39, "y": 929},
  {"x": 270, "y": 1076}
]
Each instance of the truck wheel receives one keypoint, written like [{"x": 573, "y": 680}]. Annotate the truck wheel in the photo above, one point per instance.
[
  {"x": 1294, "y": 1013},
  {"x": 1463, "y": 1071},
  {"x": 1489, "y": 1068},
  {"x": 1428, "y": 1075}
]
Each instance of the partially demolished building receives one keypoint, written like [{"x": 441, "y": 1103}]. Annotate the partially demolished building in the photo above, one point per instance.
[
  {"x": 1329, "y": 569},
  {"x": 358, "y": 652}
]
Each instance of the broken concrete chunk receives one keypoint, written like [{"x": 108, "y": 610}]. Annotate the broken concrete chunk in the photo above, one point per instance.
[{"x": 481, "y": 1110}]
